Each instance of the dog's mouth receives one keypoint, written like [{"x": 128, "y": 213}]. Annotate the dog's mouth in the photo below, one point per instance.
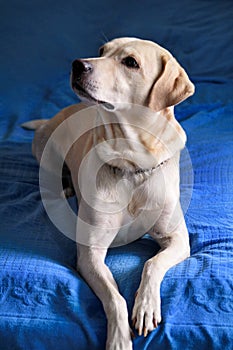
[{"x": 83, "y": 94}]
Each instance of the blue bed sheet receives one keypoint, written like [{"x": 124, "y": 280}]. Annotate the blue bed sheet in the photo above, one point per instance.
[{"x": 44, "y": 302}]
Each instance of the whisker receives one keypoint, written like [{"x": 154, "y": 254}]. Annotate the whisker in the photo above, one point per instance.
[{"x": 105, "y": 39}]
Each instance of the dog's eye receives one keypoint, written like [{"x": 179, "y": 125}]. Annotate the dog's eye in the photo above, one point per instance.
[
  {"x": 130, "y": 62},
  {"x": 101, "y": 51}
]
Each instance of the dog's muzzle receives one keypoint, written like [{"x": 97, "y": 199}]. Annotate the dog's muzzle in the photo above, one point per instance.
[
  {"x": 80, "y": 71},
  {"x": 79, "y": 68}
]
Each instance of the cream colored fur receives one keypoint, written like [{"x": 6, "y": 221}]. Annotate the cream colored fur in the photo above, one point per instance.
[{"x": 152, "y": 141}]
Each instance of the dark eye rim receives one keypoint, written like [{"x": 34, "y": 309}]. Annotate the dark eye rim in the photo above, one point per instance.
[{"x": 130, "y": 62}]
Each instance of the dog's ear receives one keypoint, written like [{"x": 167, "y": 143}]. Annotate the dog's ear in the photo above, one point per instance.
[{"x": 172, "y": 86}]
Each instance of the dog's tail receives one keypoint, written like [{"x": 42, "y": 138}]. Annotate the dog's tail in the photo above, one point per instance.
[{"x": 34, "y": 124}]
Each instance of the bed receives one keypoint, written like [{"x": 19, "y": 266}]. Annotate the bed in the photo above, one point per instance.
[{"x": 44, "y": 303}]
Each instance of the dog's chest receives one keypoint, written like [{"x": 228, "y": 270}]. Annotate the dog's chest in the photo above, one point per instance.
[{"x": 133, "y": 195}]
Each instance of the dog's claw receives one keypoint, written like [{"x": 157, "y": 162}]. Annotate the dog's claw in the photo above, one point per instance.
[
  {"x": 132, "y": 334},
  {"x": 145, "y": 332},
  {"x": 155, "y": 323},
  {"x": 134, "y": 320},
  {"x": 142, "y": 328}
]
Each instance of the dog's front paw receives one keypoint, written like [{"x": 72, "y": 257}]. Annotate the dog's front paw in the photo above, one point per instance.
[
  {"x": 147, "y": 310},
  {"x": 119, "y": 338}
]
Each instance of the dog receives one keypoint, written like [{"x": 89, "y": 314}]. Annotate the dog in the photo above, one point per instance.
[{"x": 135, "y": 85}]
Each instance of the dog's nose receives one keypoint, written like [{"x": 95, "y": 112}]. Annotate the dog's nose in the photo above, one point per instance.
[{"x": 79, "y": 67}]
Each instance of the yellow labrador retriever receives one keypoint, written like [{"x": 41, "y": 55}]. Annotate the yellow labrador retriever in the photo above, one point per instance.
[{"x": 135, "y": 84}]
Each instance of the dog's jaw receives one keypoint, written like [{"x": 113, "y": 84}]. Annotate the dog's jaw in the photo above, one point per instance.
[{"x": 87, "y": 97}]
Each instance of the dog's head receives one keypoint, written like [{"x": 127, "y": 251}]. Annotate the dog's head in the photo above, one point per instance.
[{"x": 131, "y": 70}]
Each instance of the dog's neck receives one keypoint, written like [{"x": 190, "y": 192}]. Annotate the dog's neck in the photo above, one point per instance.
[
  {"x": 136, "y": 139},
  {"x": 138, "y": 171}
]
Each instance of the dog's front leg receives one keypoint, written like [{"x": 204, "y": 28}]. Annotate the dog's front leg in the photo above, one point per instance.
[
  {"x": 93, "y": 269},
  {"x": 174, "y": 248}
]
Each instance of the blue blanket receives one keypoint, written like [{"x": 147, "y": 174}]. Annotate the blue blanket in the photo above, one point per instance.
[{"x": 44, "y": 302}]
